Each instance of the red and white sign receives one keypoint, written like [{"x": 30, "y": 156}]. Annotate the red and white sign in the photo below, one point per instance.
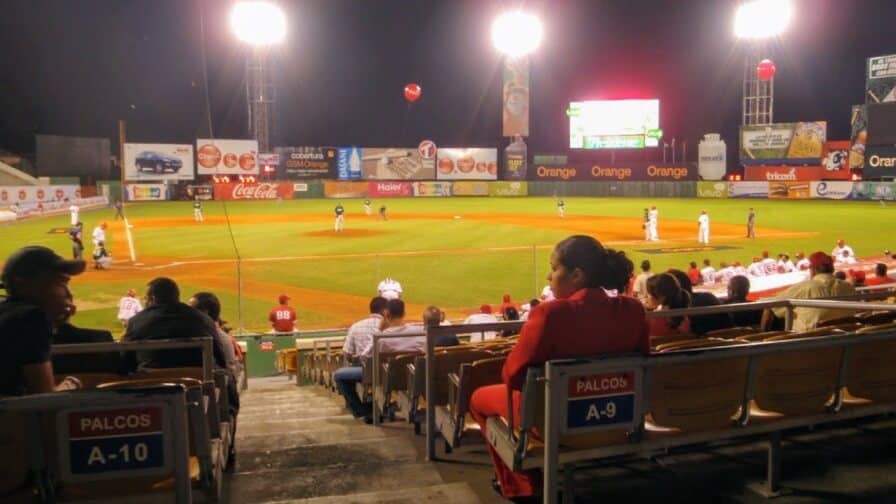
[
  {"x": 230, "y": 157},
  {"x": 115, "y": 422},
  {"x": 601, "y": 385},
  {"x": 427, "y": 149},
  {"x": 792, "y": 173},
  {"x": 390, "y": 189},
  {"x": 262, "y": 191},
  {"x": 37, "y": 194},
  {"x": 467, "y": 164}
]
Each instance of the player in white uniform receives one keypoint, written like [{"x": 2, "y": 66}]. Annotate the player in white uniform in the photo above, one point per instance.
[
  {"x": 785, "y": 265},
  {"x": 561, "y": 208},
  {"x": 802, "y": 263},
  {"x": 367, "y": 209},
  {"x": 703, "y": 227},
  {"x": 340, "y": 217},
  {"x": 128, "y": 306},
  {"x": 770, "y": 264},
  {"x": 837, "y": 253},
  {"x": 74, "y": 210},
  {"x": 708, "y": 273},
  {"x": 99, "y": 235},
  {"x": 756, "y": 269},
  {"x": 197, "y": 210},
  {"x": 652, "y": 222}
]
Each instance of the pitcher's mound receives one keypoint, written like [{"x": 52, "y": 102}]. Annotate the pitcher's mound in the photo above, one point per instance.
[{"x": 346, "y": 233}]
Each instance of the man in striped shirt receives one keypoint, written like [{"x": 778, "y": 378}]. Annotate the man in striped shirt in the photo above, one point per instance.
[{"x": 357, "y": 345}]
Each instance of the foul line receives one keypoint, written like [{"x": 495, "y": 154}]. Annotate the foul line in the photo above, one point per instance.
[{"x": 127, "y": 232}]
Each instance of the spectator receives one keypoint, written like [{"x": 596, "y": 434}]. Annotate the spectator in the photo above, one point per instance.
[
  {"x": 821, "y": 284},
  {"x": 840, "y": 275},
  {"x": 738, "y": 289},
  {"x": 36, "y": 279},
  {"x": 283, "y": 316},
  {"x": 702, "y": 324},
  {"x": 394, "y": 323},
  {"x": 443, "y": 320},
  {"x": 165, "y": 317},
  {"x": 857, "y": 278},
  {"x": 640, "y": 289},
  {"x": 694, "y": 274},
  {"x": 66, "y": 334},
  {"x": 844, "y": 258},
  {"x": 880, "y": 275},
  {"x": 547, "y": 294},
  {"x": 527, "y": 309},
  {"x": 708, "y": 273},
  {"x": 357, "y": 343},
  {"x": 581, "y": 268},
  {"x": 510, "y": 314},
  {"x": 128, "y": 306},
  {"x": 665, "y": 293},
  {"x": 484, "y": 316},
  {"x": 507, "y": 303},
  {"x": 432, "y": 317}
]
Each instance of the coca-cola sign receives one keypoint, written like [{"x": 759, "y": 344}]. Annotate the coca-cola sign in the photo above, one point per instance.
[{"x": 260, "y": 191}]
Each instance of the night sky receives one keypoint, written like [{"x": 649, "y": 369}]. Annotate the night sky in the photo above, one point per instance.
[{"x": 74, "y": 67}]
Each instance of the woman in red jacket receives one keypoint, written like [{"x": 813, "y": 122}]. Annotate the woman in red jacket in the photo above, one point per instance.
[
  {"x": 583, "y": 321},
  {"x": 664, "y": 292}
]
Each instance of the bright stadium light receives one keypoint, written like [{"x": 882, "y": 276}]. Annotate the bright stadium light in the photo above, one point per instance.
[
  {"x": 517, "y": 33},
  {"x": 759, "y": 19},
  {"x": 258, "y": 23}
]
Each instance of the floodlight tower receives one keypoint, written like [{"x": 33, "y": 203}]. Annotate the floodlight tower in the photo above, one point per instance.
[
  {"x": 757, "y": 21},
  {"x": 516, "y": 34},
  {"x": 260, "y": 25}
]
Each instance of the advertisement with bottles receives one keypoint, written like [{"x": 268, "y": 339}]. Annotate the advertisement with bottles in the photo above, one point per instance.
[{"x": 348, "y": 163}]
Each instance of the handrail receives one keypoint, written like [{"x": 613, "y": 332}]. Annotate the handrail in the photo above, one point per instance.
[{"x": 205, "y": 344}]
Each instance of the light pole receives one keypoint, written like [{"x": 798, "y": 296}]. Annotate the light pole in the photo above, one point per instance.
[
  {"x": 260, "y": 25},
  {"x": 757, "y": 21}
]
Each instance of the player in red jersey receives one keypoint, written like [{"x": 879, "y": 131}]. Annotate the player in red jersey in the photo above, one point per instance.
[{"x": 283, "y": 316}]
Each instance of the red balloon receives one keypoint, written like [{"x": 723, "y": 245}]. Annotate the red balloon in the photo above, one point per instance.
[
  {"x": 765, "y": 70},
  {"x": 412, "y": 92}
]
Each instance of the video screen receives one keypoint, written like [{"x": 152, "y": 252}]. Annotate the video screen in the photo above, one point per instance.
[{"x": 614, "y": 124}]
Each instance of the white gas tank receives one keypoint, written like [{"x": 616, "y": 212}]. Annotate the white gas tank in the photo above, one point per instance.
[{"x": 711, "y": 157}]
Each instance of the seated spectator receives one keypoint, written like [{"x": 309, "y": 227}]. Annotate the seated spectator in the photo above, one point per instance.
[
  {"x": 845, "y": 258},
  {"x": 283, "y": 316},
  {"x": 36, "y": 280},
  {"x": 581, "y": 270},
  {"x": 840, "y": 275},
  {"x": 506, "y": 303},
  {"x": 394, "y": 323},
  {"x": 665, "y": 293},
  {"x": 640, "y": 288},
  {"x": 443, "y": 320},
  {"x": 510, "y": 313},
  {"x": 708, "y": 273},
  {"x": 880, "y": 276},
  {"x": 694, "y": 274},
  {"x": 165, "y": 317},
  {"x": 357, "y": 342},
  {"x": 738, "y": 289},
  {"x": 856, "y": 278},
  {"x": 484, "y": 316},
  {"x": 432, "y": 317},
  {"x": 821, "y": 284},
  {"x": 702, "y": 324},
  {"x": 67, "y": 334}
]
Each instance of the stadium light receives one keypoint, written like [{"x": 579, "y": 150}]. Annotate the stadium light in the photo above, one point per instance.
[
  {"x": 516, "y": 33},
  {"x": 258, "y": 23},
  {"x": 760, "y": 19}
]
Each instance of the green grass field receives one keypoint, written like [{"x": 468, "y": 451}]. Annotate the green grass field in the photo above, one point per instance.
[{"x": 497, "y": 246}]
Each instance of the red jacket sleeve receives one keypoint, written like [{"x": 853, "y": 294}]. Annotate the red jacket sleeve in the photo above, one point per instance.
[{"x": 530, "y": 349}]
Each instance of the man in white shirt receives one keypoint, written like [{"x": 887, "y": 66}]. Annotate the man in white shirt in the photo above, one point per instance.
[
  {"x": 99, "y": 235},
  {"x": 708, "y": 273},
  {"x": 838, "y": 250},
  {"x": 653, "y": 218},
  {"x": 640, "y": 288},
  {"x": 484, "y": 316},
  {"x": 357, "y": 342},
  {"x": 770, "y": 265},
  {"x": 785, "y": 265},
  {"x": 74, "y": 210},
  {"x": 756, "y": 268},
  {"x": 802, "y": 263},
  {"x": 128, "y": 306},
  {"x": 703, "y": 227},
  {"x": 844, "y": 258},
  {"x": 394, "y": 324}
]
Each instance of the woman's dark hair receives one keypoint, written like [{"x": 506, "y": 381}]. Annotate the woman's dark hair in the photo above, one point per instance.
[
  {"x": 209, "y": 304},
  {"x": 510, "y": 313},
  {"x": 683, "y": 279},
  {"x": 666, "y": 289},
  {"x": 605, "y": 268}
]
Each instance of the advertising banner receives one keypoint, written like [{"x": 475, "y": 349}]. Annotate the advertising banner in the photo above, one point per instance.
[
  {"x": 389, "y": 189},
  {"x": 831, "y": 190},
  {"x": 428, "y": 189},
  {"x": 348, "y": 163},
  {"x": 874, "y": 191},
  {"x": 880, "y": 162},
  {"x": 793, "y": 173},
  {"x": 709, "y": 189},
  {"x": 395, "y": 164},
  {"x": 748, "y": 189},
  {"x": 880, "y": 81},
  {"x": 470, "y": 188},
  {"x": 146, "y": 192},
  {"x": 226, "y": 157},
  {"x": 298, "y": 163},
  {"x": 516, "y": 97},
  {"x": 835, "y": 159},
  {"x": 783, "y": 143},
  {"x": 516, "y": 162},
  {"x": 508, "y": 188},
  {"x": 260, "y": 191},
  {"x": 858, "y": 136},
  {"x": 881, "y": 123},
  {"x": 789, "y": 190},
  {"x": 467, "y": 164},
  {"x": 37, "y": 194},
  {"x": 158, "y": 162},
  {"x": 550, "y": 159},
  {"x": 345, "y": 189},
  {"x": 644, "y": 172}
]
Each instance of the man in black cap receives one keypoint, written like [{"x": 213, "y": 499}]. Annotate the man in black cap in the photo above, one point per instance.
[{"x": 36, "y": 279}]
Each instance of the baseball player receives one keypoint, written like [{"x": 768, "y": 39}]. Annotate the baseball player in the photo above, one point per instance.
[
  {"x": 703, "y": 227},
  {"x": 840, "y": 248},
  {"x": 367, "y": 209},
  {"x": 751, "y": 220},
  {"x": 652, "y": 222},
  {"x": 119, "y": 210},
  {"x": 282, "y": 316},
  {"x": 802, "y": 262},
  {"x": 74, "y": 210},
  {"x": 769, "y": 263},
  {"x": 99, "y": 235},
  {"x": 708, "y": 273},
  {"x": 197, "y": 210},
  {"x": 128, "y": 306},
  {"x": 383, "y": 212},
  {"x": 646, "y": 224},
  {"x": 75, "y": 235},
  {"x": 561, "y": 208},
  {"x": 756, "y": 269},
  {"x": 340, "y": 212}
]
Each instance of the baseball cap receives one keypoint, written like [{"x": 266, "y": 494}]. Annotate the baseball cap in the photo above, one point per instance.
[
  {"x": 857, "y": 274},
  {"x": 819, "y": 259},
  {"x": 486, "y": 308},
  {"x": 29, "y": 262},
  {"x": 283, "y": 298}
]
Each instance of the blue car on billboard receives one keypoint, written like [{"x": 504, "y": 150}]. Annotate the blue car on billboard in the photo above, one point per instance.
[{"x": 157, "y": 163}]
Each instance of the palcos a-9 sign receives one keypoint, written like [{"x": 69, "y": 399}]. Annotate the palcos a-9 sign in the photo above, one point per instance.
[{"x": 614, "y": 124}]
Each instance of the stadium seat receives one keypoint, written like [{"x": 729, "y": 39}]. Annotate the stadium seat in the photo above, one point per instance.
[
  {"x": 840, "y": 322},
  {"x": 661, "y": 340},
  {"x": 694, "y": 344},
  {"x": 90, "y": 380},
  {"x": 392, "y": 394},
  {"x": 453, "y": 420},
  {"x": 871, "y": 374},
  {"x": 874, "y": 318},
  {"x": 794, "y": 383},
  {"x": 731, "y": 332}
]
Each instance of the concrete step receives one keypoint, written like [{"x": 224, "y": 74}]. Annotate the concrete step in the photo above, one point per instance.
[
  {"x": 273, "y": 454},
  {"x": 313, "y": 430},
  {"x": 453, "y": 493}
]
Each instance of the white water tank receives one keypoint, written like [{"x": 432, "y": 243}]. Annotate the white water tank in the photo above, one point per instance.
[{"x": 711, "y": 157}]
